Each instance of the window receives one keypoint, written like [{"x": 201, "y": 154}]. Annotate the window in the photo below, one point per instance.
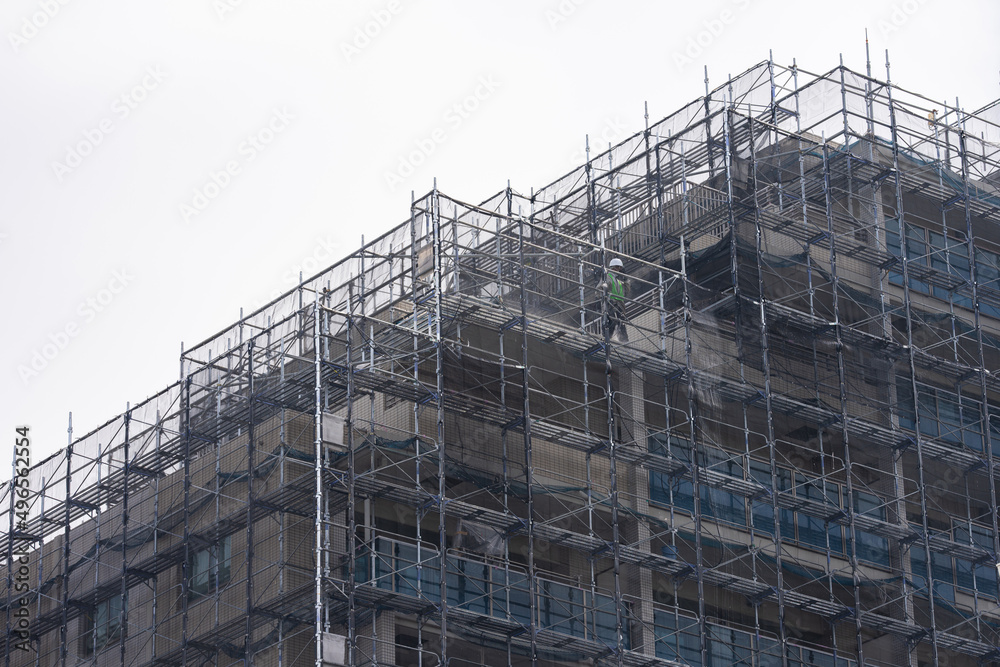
[
  {"x": 813, "y": 531},
  {"x": 574, "y": 611},
  {"x": 679, "y": 492},
  {"x": 808, "y": 657},
  {"x": 796, "y": 526},
  {"x": 763, "y": 507},
  {"x": 946, "y": 255},
  {"x": 941, "y": 572},
  {"x": 561, "y": 608},
  {"x": 869, "y": 547},
  {"x": 606, "y": 621},
  {"x": 102, "y": 626},
  {"x": 916, "y": 250},
  {"x": 670, "y": 489},
  {"x": 995, "y": 427},
  {"x": 727, "y": 646},
  {"x": 678, "y": 637},
  {"x": 949, "y": 573},
  {"x": 210, "y": 568},
  {"x": 485, "y": 589},
  {"x": 892, "y": 245},
  {"x": 723, "y": 505},
  {"x": 981, "y": 577},
  {"x": 511, "y": 598},
  {"x": 468, "y": 586},
  {"x": 988, "y": 275},
  {"x": 944, "y": 415},
  {"x": 950, "y": 256}
]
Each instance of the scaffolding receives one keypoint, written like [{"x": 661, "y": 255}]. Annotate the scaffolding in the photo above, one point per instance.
[{"x": 433, "y": 453}]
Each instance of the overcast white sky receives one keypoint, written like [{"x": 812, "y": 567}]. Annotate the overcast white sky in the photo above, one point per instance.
[{"x": 116, "y": 114}]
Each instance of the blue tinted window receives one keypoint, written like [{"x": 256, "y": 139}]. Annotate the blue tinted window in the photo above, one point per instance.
[
  {"x": 605, "y": 621},
  {"x": 894, "y": 247},
  {"x": 727, "y": 646},
  {"x": 988, "y": 275},
  {"x": 871, "y": 548},
  {"x": 945, "y": 415},
  {"x": 677, "y": 638},
  {"x": 916, "y": 249}
]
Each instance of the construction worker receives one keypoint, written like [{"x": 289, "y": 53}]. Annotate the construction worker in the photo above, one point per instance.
[{"x": 616, "y": 287}]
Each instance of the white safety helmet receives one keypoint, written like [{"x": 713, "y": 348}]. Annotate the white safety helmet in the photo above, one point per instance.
[{"x": 615, "y": 262}]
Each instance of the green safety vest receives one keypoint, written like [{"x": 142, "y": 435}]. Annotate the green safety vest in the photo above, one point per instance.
[{"x": 616, "y": 287}]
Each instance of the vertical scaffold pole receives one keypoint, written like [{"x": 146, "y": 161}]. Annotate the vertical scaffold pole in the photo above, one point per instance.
[
  {"x": 318, "y": 484},
  {"x": 811, "y": 294},
  {"x": 528, "y": 464},
  {"x": 418, "y": 511},
  {"x": 842, "y": 395},
  {"x": 661, "y": 232},
  {"x": 692, "y": 416},
  {"x": 351, "y": 547},
  {"x": 156, "y": 521},
  {"x": 591, "y": 193},
  {"x": 251, "y": 471},
  {"x": 64, "y": 624},
  {"x": 442, "y": 450},
  {"x": 123, "y": 612},
  {"x": 766, "y": 362},
  {"x": 708, "y": 127},
  {"x": 987, "y": 413},
  {"x": 646, "y": 137},
  {"x": 911, "y": 363},
  {"x": 609, "y": 392},
  {"x": 500, "y": 224},
  {"x": 186, "y": 564}
]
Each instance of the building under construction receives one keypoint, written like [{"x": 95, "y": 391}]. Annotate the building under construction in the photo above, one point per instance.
[{"x": 434, "y": 453}]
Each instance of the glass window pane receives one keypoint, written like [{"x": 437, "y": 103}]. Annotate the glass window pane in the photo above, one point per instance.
[
  {"x": 665, "y": 634},
  {"x": 406, "y": 569},
  {"x": 948, "y": 408},
  {"x": 606, "y": 622},
  {"x": 904, "y": 403},
  {"x": 520, "y": 600},
  {"x": 473, "y": 586},
  {"x": 225, "y": 561},
  {"x": 918, "y": 565},
  {"x": 871, "y": 548},
  {"x": 893, "y": 247},
  {"x": 430, "y": 577},
  {"x": 916, "y": 246},
  {"x": 927, "y": 409},
  {"x": 385, "y": 563},
  {"x": 769, "y": 651},
  {"x": 200, "y": 567}
]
